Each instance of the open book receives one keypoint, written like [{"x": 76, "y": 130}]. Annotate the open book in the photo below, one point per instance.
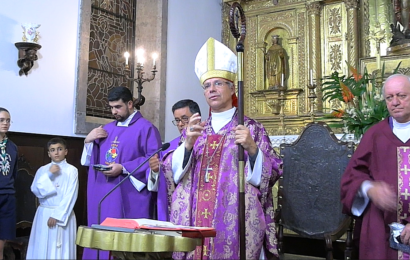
[{"x": 151, "y": 226}]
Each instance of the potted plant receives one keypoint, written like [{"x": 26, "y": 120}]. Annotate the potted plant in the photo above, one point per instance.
[{"x": 356, "y": 101}]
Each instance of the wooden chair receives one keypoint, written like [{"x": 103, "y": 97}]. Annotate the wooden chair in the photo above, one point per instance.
[{"x": 309, "y": 190}]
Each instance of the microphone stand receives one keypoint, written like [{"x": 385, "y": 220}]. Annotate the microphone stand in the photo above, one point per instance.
[{"x": 163, "y": 147}]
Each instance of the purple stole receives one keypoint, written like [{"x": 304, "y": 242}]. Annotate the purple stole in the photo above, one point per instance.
[
  {"x": 403, "y": 167},
  {"x": 207, "y": 181}
]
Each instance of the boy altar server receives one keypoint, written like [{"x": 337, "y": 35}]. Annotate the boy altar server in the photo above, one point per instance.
[{"x": 56, "y": 186}]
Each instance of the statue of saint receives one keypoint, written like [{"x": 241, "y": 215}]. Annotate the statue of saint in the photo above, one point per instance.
[
  {"x": 402, "y": 15},
  {"x": 275, "y": 64}
]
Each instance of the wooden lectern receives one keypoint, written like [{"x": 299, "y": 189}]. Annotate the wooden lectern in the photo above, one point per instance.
[{"x": 124, "y": 245}]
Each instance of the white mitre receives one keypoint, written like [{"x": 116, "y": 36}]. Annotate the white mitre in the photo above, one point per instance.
[{"x": 215, "y": 60}]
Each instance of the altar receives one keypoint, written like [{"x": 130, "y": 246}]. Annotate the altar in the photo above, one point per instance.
[{"x": 135, "y": 245}]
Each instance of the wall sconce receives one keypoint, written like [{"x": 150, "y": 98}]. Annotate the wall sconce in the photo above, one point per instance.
[
  {"x": 27, "y": 56},
  {"x": 27, "y": 49}
]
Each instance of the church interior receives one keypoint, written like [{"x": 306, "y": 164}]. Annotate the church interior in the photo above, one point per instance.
[{"x": 291, "y": 48}]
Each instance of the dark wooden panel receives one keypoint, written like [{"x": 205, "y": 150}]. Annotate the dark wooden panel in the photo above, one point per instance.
[{"x": 34, "y": 149}]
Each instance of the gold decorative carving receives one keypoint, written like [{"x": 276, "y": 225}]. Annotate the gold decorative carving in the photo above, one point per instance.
[
  {"x": 313, "y": 8},
  {"x": 335, "y": 21},
  {"x": 317, "y": 36},
  {"x": 335, "y": 57},
  {"x": 352, "y": 32},
  {"x": 251, "y": 65},
  {"x": 404, "y": 71},
  {"x": 351, "y": 4},
  {"x": 315, "y": 47},
  {"x": 301, "y": 59},
  {"x": 365, "y": 22}
]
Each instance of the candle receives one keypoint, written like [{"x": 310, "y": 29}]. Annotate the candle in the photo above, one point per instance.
[
  {"x": 126, "y": 55},
  {"x": 154, "y": 57},
  {"x": 140, "y": 56},
  {"x": 378, "y": 60},
  {"x": 311, "y": 77},
  {"x": 283, "y": 80}
]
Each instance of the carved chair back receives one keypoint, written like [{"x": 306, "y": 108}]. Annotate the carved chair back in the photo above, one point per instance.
[
  {"x": 309, "y": 190},
  {"x": 27, "y": 202}
]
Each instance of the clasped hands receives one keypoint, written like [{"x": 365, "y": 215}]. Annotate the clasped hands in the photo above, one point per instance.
[
  {"x": 97, "y": 133},
  {"x": 242, "y": 135},
  {"x": 384, "y": 198}
]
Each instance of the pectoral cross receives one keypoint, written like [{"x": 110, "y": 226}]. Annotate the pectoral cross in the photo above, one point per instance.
[{"x": 207, "y": 173}]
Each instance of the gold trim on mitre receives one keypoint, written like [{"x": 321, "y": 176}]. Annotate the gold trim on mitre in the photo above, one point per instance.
[
  {"x": 215, "y": 60},
  {"x": 218, "y": 74}
]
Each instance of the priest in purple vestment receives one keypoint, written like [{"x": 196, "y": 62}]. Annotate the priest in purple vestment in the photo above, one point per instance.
[
  {"x": 122, "y": 145},
  {"x": 205, "y": 168},
  {"x": 182, "y": 111},
  {"x": 375, "y": 185}
]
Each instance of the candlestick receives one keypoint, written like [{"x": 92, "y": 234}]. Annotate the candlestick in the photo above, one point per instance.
[
  {"x": 141, "y": 76},
  {"x": 311, "y": 77},
  {"x": 126, "y": 55}
]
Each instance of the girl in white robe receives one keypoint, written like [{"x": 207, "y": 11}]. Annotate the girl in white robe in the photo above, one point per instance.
[{"x": 54, "y": 228}]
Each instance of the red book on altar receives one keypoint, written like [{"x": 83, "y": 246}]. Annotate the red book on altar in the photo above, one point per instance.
[{"x": 155, "y": 227}]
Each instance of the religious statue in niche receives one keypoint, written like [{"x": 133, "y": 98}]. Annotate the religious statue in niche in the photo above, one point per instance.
[
  {"x": 26, "y": 63},
  {"x": 401, "y": 26},
  {"x": 275, "y": 64}
]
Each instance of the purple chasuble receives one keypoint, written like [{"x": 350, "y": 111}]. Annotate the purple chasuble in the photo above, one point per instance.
[
  {"x": 186, "y": 209},
  {"x": 403, "y": 174},
  {"x": 128, "y": 146},
  {"x": 380, "y": 156},
  {"x": 162, "y": 195}
]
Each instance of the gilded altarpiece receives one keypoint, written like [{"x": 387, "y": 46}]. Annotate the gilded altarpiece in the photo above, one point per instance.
[{"x": 319, "y": 37}]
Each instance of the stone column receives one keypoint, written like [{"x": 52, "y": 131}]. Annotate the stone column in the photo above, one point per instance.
[
  {"x": 352, "y": 34},
  {"x": 151, "y": 34},
  {"x": 313, "y": 10}
]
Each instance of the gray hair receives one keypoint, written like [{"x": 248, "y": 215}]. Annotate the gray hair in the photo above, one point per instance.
[{"x": 393, "y": 77}]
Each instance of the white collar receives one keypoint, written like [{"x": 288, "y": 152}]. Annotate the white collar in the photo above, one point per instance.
[
  {"x": 59, "y": 163},
  {"x": 400, "y": 125},
  {"x": 221, "y": 116},
  {"x": 128, "y": 120},
  {"x": 401, "y": 130},
  {"x": 219, "y": 120}
]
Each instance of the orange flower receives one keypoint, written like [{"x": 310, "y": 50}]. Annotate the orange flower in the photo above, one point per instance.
[
  {"x": 346, "y": 93},
  {"x": 338, "y": 113},
  {"x": 356, "y": 75}
]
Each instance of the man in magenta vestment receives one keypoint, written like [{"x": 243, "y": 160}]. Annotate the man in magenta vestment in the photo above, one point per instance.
[
  {"x": 375, "y": 185},
  {"x": 123, "y": 145},
  {"x": 182, "y": 111},
  {"x": 205, "y": 168}
]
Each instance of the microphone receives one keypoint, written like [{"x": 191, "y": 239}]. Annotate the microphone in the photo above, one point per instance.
[{"x": 163, "y": 147}]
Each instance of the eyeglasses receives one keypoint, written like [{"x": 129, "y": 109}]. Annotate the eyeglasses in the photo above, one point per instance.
[
  {"x": 7, "y": 121},
  {"x": 217, "y": 84},
  {"x": 183, "y": 119}
]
